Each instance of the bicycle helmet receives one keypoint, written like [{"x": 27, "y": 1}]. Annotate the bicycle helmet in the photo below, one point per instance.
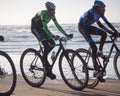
[
  {"x": 50, "y": 5},
  {"x": 99, "y": 3}
]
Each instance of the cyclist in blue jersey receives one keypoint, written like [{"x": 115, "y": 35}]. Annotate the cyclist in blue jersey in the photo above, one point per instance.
[{"x": 86, "y": 29}]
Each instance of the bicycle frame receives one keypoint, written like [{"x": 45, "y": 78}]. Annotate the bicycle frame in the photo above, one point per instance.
[
  {"x": 111, "y": 50},
  {"x": 61, "y": 47},
  {"x": 109, "y": 55}
]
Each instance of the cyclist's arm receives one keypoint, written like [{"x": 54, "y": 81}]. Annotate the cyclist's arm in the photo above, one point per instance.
[
  {"x": 109, "y": 24},
  {"x": 43, "y": 16},
  {"x": 103, "y": 27},
  {"x": 58, "y": 26}
]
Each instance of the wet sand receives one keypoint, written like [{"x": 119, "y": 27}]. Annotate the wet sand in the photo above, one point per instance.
[{"x": 58, "y": 88}]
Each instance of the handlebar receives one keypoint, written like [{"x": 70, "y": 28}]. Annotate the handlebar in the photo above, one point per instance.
[
  {"x": 114, "y": 34},
  {"x": 61, "y": 39},
  {"x": 64, "y": 39}
]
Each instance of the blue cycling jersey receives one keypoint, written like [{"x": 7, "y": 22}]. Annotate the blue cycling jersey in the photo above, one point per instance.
[{"x": 91, "y": 16}]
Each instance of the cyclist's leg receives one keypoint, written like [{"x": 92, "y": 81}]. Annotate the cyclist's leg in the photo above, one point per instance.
[
  {"x": 46, "y": 52},
  {"x": 41, "y": 37},
  {"x": 46, "y": 43},
  {"x": 103, "y": 37},
  {"x": 39, "y": 34},
  {"x": 86, "y": 31},
  {"x": 97, "y": 72},
  {"x": 47, "y": 49},
  {"x": 94, "y": 50},
  {"x": 102, "y": 41},
  {"x": 97, "y": 31}
]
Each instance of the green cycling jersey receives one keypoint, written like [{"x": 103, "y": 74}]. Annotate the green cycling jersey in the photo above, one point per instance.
[{"x": 45, "y": 18}]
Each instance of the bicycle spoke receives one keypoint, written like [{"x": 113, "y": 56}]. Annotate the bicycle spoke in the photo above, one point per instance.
[
  {"x": 72, "y": 75},
  {"x": 117, "y": 64},
  {"x": 32, "y": 67},
  {"x": 88, "y": 59}
]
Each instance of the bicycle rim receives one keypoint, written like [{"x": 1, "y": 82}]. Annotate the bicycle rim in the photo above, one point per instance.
[
  {"x": 73, "y": 75},
  {"x": 7, "y": 74},
  {"x": 117, "y": 65},
  {"x": 93, "y": 81},
  {"x": 32, "y": 67}
]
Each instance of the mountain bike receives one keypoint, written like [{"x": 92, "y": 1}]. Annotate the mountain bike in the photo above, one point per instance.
[
  {"x": 8, "y": 76},
  {"x": 102, "y": 63},
  {"x": 33, "y": 69}
]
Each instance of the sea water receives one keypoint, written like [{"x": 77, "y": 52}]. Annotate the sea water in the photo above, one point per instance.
[{"x": 19, "y": 37}]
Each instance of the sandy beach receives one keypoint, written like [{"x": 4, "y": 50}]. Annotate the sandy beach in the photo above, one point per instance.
[
  {"x": 18, "y": 38},
  {"x": 58, "y": 88}
]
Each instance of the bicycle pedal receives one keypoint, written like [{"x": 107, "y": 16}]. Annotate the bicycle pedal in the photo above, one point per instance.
[{"x": 101, "y": 79}]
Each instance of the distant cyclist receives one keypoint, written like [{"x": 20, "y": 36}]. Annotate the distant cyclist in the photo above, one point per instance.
[
  {"x": 86, "y": 29},
  {"x": 40, "y": 30}
]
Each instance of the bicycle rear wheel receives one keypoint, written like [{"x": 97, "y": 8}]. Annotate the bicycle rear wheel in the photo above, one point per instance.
[
  {"x": 7, "y": 75},
  {"x": 87, "y": 56},
  {"x": 32, "y": 67},
  {"x": 71, "y": 70},
  {"x": 117, "y": 64}
]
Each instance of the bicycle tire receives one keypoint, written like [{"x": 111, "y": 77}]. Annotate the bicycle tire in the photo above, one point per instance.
[
  {"x": 71, "y": 76},
  {"x": 10, "y": 71},
  {"x": 34, "y": 74},
  {"x": 117, "y": 65},
  {"x": 92, "y": 82}
]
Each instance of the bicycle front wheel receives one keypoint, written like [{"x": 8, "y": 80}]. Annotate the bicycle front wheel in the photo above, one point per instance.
[
  {"x": 32, "y": 67},
  {"x": 117, "y": 64},
  {"x": 7, "y": 75},
  {"x": 71, "y": 70},
  {"x": 87, "y": 56}
]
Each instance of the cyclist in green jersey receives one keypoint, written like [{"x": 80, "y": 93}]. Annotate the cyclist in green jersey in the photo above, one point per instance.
[{"x": 40, "y": 29}]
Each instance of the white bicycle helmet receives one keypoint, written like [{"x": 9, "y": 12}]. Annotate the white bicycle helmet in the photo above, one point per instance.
[{"x": 50, "y": 5}]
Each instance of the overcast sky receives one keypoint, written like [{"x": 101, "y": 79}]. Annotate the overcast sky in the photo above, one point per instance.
[{"x": 14, "y": 12}]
